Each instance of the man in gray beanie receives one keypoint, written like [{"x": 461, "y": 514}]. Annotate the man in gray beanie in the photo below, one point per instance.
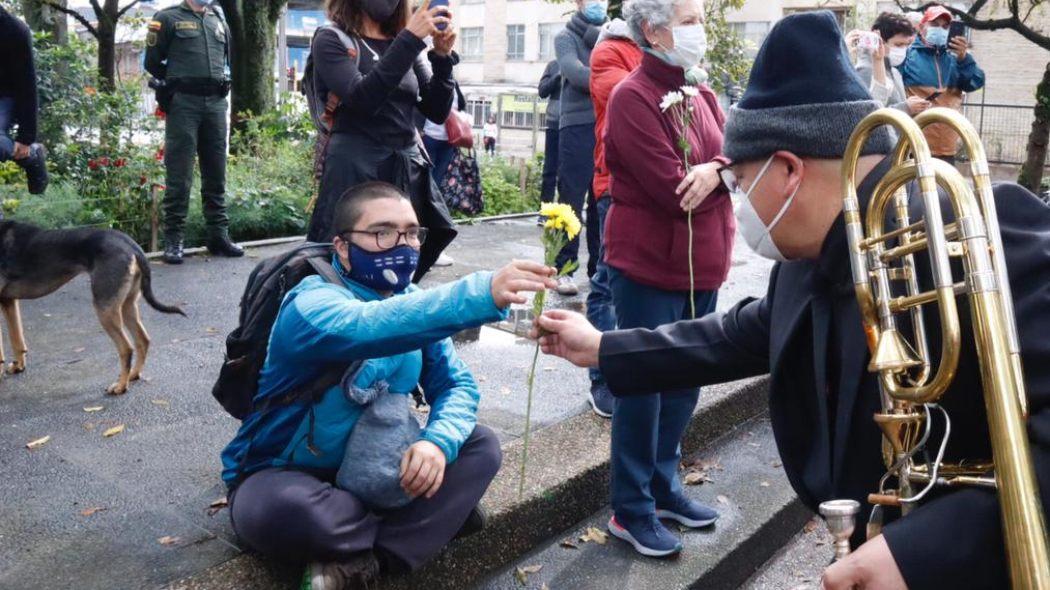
[{"x": 786, "y": 138}]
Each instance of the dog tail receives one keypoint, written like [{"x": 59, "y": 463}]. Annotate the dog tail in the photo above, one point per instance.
[{"x": 147, "y": 288}]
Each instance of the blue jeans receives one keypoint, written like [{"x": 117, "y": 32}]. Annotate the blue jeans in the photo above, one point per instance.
[
  {"x": 575, "y": 173},
  {"x": 599, "y": 300},
  {"x": 550, "y": 164},
  {"x": 7, "y": 111},
  {"x": 647, "y": 429},
  {"x": 441, "y": 153}
]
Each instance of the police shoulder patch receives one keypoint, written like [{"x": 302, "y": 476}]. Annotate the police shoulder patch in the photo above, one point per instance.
[
  {"x": 186, "y": 25},
  {"x": 155, "y": 25},
  {"x": 151, "y": 38}
]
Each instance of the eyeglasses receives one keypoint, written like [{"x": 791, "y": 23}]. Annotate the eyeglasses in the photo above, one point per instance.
[
  {"x": 729, "y": 179},
  {"x": 390, "y": 238}
]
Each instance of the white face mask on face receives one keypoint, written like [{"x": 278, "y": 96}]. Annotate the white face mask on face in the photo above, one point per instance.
[
  {"x": 897, "y": 56},
  {"x": 755, "y": 232},
  {"x": 690, "y": 46}
]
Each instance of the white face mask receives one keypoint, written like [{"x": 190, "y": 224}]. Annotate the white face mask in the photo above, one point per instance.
[
  {"x": 755, "y": 232},
  {"x": 897, "y": 55},
  {"x": 690, "y": 46}
]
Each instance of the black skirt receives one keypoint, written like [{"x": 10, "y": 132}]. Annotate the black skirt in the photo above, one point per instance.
[{"x": 355, "y": 158}]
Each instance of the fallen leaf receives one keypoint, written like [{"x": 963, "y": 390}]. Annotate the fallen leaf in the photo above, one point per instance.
[
  {"x": 811, "y": 525},
  {"x": 776, "y": 464},
  {"x": 545, "y": 586},
  {"x": 548, "y": 369},
  {"x": 504, "y": 390},
  {"x": 113, "y": 431},
  {"x": 90, "y": 511},
  {"x": 168, "y": 540},
  {"x": 210, "y": 330},
  {"x": 722, "y": 499},
  {"x": 90, "y": 409},
  {"x": 568, "y": 544},
  {"x": 89, "y": 426},
  {"x": 47, "y": 315},
  {"x": 596, "y": 535},
  {"x": 764, "y": 484},
  {"x": 756, "y": 445},
  {"x": 217, "y": 505},
  {"x": 160, "y": 402},
  {"x": 79, "y": 349},
  {"x": 820, "y": 543},
  {"x": 482, "y": 378},
  {"x": 694, "y": 478},
  {"x": 38, "y": 442},
  {"x": 522, "y": 573}
]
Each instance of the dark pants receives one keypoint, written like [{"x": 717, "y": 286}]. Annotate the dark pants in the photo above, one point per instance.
[
  {"x": 575, "y": 173},
  {"x": 441, "y": 153},
  {"x": 490, "y": 146},
  {"x": 647, "y": 429},
  {"x": 291, "y": 515},
  {"x": 195, "y": 128},
  {"x": 7, "y": 112},
  {"x": 550, "y": 163},
  {"x": 599, "y": 301}
]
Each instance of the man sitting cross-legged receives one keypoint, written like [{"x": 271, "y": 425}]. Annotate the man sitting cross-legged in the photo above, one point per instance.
[{"x": 282, "y": 464}]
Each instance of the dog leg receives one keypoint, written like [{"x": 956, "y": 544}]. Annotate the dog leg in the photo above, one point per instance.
[
  {"x": 133, "y": 321},
  {"x": 13, "y": 316},
  {"x": 112, "y": 320}
]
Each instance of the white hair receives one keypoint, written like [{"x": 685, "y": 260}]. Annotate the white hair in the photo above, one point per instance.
[{"x": 655, "y": 13}]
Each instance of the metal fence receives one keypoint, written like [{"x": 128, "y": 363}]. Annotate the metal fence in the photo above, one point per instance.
[{"x": 1004, "y": 129}]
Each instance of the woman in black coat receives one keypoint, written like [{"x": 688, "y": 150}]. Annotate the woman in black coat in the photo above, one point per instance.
[{"x": 379, "y": 81}]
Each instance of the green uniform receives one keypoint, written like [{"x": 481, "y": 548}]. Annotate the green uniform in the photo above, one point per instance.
[{"x": 190, "y": 52}]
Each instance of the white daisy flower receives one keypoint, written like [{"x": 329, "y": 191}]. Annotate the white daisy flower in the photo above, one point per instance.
[{"x": 670, "y": 99}]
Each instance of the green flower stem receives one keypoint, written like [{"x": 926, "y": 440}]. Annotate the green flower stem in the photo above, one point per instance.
[
  {"x": 537, "y": 304},
  {"x": 692, "y": 277}
]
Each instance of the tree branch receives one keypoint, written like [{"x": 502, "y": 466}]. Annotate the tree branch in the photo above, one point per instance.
[
  {"x": 76, "y": 15},
  {"x": 1013, "y": 22},
  {"x": 121, "y": 12}
]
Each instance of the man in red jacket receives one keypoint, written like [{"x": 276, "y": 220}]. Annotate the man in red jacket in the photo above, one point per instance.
[{"x": 614, "y": 56}]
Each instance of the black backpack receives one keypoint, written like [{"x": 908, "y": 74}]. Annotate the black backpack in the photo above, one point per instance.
[{"x": 246, "y": 345}]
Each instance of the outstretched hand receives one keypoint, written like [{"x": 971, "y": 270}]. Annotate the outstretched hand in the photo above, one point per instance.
[
  {"x": 569, "y": 335},
  {"x": 869, "y": 567},
  {"x": 520, "y": 275}
]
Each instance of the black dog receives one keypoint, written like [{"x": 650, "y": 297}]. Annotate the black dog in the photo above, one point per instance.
[{"x": 35, "y": 262}]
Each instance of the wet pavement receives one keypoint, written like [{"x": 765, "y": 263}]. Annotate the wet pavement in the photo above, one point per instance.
[{"x": 131, "y": 510}]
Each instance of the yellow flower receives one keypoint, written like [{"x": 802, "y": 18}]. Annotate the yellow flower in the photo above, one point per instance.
[{"x": 560, "y": 217}]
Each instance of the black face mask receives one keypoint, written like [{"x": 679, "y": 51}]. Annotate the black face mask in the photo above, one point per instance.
[{"x": 380, "y": 10}]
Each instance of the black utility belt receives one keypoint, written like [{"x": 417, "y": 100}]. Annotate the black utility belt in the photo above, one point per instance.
[{"x": 209, "y": 88}]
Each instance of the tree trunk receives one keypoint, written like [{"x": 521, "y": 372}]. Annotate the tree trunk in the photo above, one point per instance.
[
  {"x": 107, "y": 52},
  {"x": 1031, "y": 176},
  {"x": 253, "y": 26},
  {"x": 42, "y": 18}
]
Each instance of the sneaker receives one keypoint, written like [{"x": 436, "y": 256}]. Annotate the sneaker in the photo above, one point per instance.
[
  {"x": 35, "y": 165},
  {"x": 444, "y": 260},
  {"x": 173, "y": 251},
  {"x": 567, "y": 287},
  {"x": 648, "y": 536},
  {"x": 689, "y": 513},
  {"x": 475, "y": 522},
  {"x": 601, "y": 399},
  {"x": 358, "y": 573}
]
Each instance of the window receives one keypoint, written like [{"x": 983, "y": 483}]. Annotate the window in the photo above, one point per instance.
[
  {"x": 515, "y": 42},
  {"x": 480, "y": 109},
  {"x": 471, "y": 43},
  {"x": 752, "y": 32},
  {"x": 547, "y": 33}
]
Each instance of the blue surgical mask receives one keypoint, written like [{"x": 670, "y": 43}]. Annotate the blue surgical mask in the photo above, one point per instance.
[
  {"x": 937, "y": 36},
  {"x": 204, "y": 3},
  {"x": 388, "y": 270},
  {"x": 594, "y": 12}
]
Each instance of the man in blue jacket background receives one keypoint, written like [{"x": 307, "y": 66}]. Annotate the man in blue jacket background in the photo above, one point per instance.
[
  {"x": 940, "y": 71},
  {"x": 281, "y": 464}
]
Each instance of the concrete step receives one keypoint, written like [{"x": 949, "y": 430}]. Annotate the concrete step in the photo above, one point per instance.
[
  {"x": 567, "y": 480},
  {"x": 759, "y": 510},
  {"x": 799, "y": 564}
]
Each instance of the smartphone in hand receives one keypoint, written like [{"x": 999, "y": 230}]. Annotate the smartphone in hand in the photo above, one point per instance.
[
  {"x": 934, "y": 96},
  {"x": 957, "y": 28},
  {"x": 444, "y": 3}
]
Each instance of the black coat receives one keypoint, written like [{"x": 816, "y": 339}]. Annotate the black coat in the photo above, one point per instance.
[{"x": 806, "y": 333}]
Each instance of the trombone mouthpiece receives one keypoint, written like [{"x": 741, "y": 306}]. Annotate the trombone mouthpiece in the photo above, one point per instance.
[{"x": 841, "y": 518}]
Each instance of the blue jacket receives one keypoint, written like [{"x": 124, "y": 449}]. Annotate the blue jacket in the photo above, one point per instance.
[
  {"x": 401, "y": 339},
  {"x": 921, "y": 67}
]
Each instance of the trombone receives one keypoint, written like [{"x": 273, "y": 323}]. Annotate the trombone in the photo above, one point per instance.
[{"x": 883, "y": 266}]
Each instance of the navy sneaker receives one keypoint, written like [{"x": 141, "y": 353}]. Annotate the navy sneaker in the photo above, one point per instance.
[
  {"x": 647, "y": 535},
  {"x": 601, "y": 399},
  {"x": 689, "y": 513}
]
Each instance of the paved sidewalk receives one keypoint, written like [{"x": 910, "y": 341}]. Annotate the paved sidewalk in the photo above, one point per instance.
[{"x": 131, "y": 511}]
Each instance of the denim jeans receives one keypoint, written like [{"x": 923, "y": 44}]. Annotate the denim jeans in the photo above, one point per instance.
[
  {"x": 550, "y": 164},
  {"x": 599, "y": 300},
  {"x": 7, "y": 144},
  {"x": 441, "y": 153},
  {"x": 575, "y": 173},
  {"x": 647, "y": 429}
]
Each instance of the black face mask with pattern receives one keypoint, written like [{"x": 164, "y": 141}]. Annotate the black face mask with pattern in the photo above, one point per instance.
[{"x": 380, "y": 10}]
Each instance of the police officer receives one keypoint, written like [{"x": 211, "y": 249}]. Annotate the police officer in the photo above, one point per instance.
[{"x": 187, "y": 51}]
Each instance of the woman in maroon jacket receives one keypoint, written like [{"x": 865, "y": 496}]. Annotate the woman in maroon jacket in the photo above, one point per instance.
[{"x": 646, "y": 248}]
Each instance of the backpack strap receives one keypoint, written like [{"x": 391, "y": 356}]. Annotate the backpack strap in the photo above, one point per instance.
[{"x": 326, "y": 270}]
